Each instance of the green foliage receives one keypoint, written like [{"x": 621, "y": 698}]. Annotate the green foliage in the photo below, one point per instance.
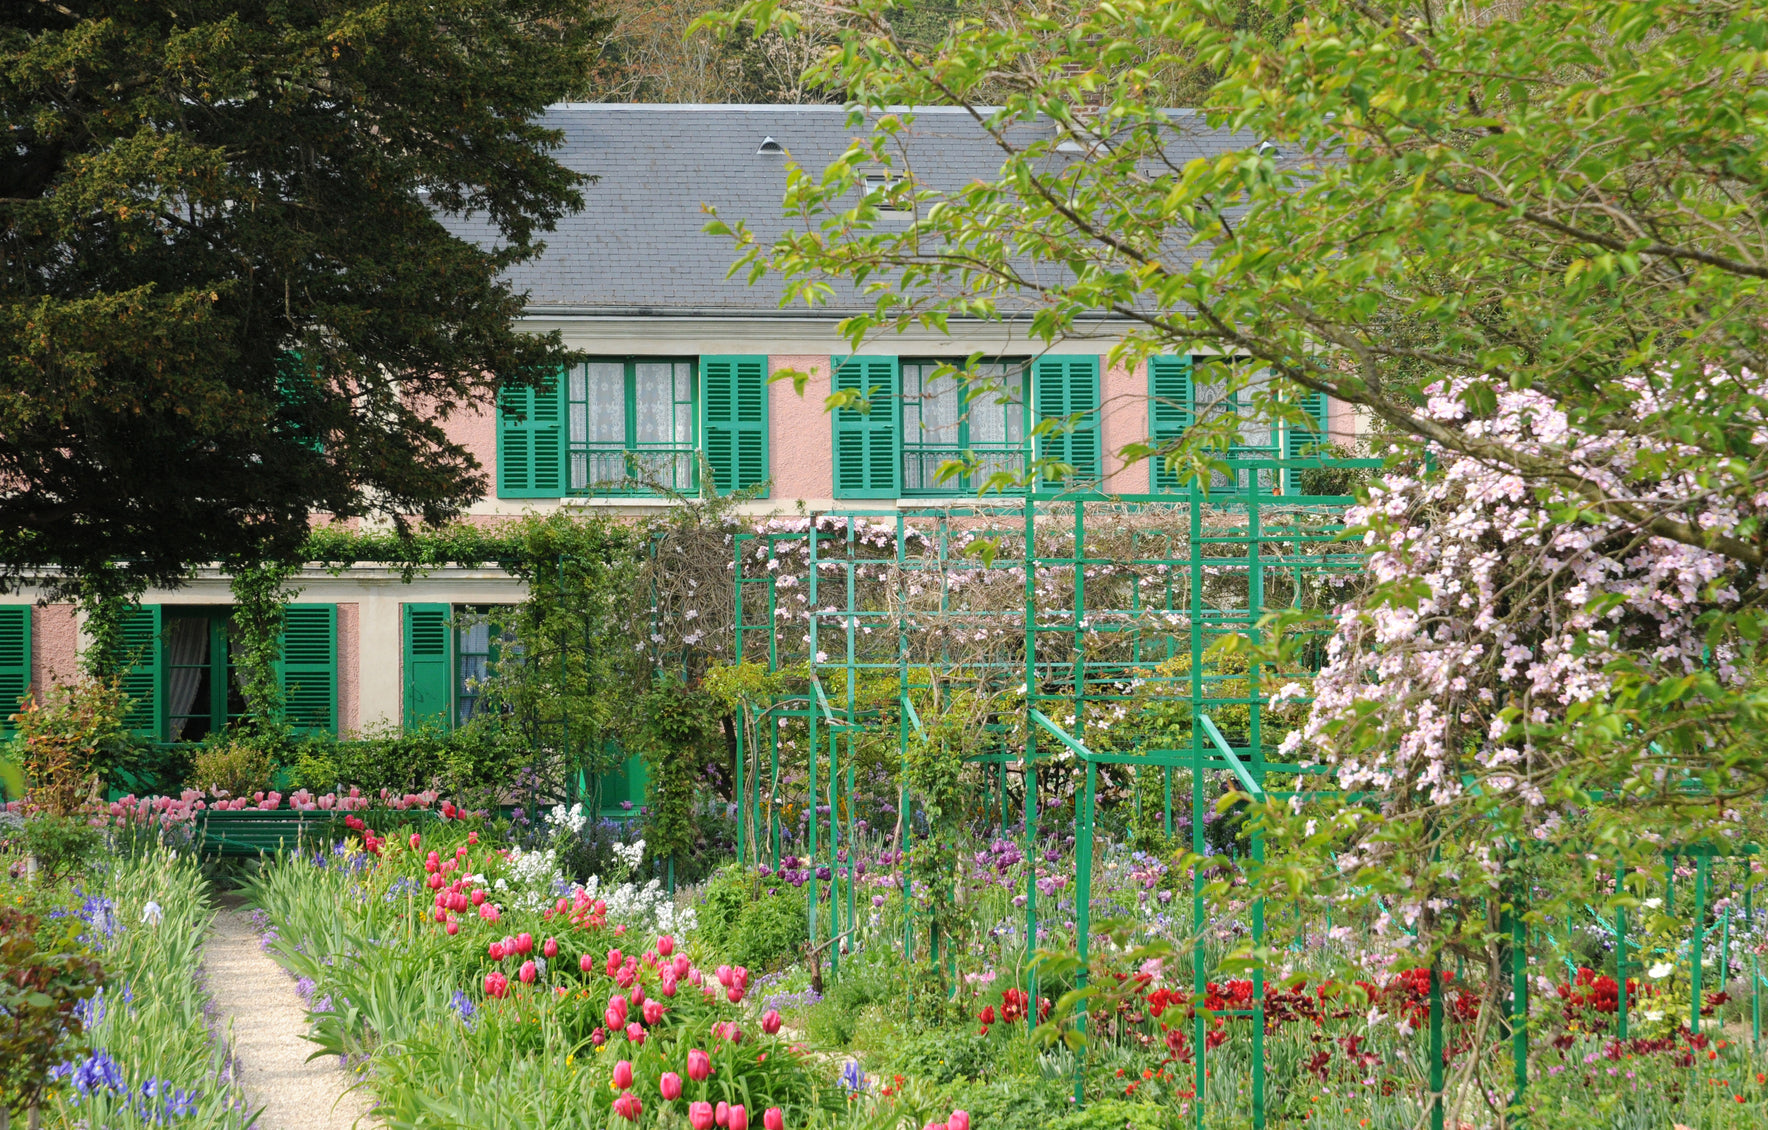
[
  {"x": 68, "y": 741},
  {"x": 236, "y": 300},
  {"x": 234, "y": 764},
  {"x": 943, "y": 1055},
  {"x": 470, "y": 765},
  {"x": 63, "y": 846},
  {"x": 744, "y": 925},
  {"x": 260, "y": 594},
  {"x": 39, "y": 1024},
  {"x": 679, "y": 732}
]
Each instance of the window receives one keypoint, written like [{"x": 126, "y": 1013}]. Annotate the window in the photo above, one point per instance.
[
  {"x": 633, "y": 427},
  {"x": 482, "y": 639},
  {"x": 630, "y": 427},
  {"x": 200, "y": 679},
  {"x": 946, "y": 417},
  {"x": 1186, "y": 389}
]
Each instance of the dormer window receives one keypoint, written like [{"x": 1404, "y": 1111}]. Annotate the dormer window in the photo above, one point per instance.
[{"x": 882, "y": 184}]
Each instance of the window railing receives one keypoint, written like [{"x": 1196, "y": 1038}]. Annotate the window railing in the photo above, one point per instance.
[
  {"x": 921, "y": 464},
  {"x": 648, "y": 469}
]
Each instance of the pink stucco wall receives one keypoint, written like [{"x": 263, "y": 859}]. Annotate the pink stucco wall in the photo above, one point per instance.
[
  {"x": 55, "y": 645},
  {"x": 1123, "y": 420},
  {"x": 799, "y": 444},
  {"x": 349, "y": 668},
  {"x": 1341, "y": 422},
  {"x": 474, "y": 427}
]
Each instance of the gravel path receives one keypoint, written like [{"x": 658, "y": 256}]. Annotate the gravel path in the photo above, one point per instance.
[{"x": 255, "y": 996}]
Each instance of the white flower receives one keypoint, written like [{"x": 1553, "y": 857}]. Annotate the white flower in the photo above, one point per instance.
[
  {"x": 1652, "y": 903},
  {"x": 1660, "y": 970},
  {"x": 151, "y": 914}
]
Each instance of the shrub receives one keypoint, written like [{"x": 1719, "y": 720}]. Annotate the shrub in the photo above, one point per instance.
[
  {"x": 943, "y": 1056},
  {"x": 39, "y": 1020},
  {"x": 747, "y": 926},
  {"x": 67, "y": 741},
  {"x": 61, "y": 845},
  {"x": 236, "y": 764}
]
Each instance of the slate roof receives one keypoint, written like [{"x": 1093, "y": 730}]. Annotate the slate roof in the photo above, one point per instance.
[{"x": 638, "y": 247}]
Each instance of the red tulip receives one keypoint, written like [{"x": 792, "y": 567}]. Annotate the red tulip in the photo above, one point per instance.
[
  {"x": 495, "y": 949},
  {"x": 665, "y": 946},
  {"x": 586, "y": 963},
  {"x": 524, "y": 944},
  {"x": 741, "y": 976},
  {"x": 550, "y": 949},
  {"x": 453, "y": 927},
  {"x": 617, "y": 1005},
  {"x": 496, "y": 984},
  {"x": 434, "y": 882},
  {"x": 635, "y": 1033},
  {"x": 958, "y": 1120},
  {"x": 721, "y": 1114},
  {"x": 738, "y": 1119},
  {"x": 773, "y": 1119},
  {"x": 527, "y": 972},
  {"x": 460, "y": 853},
  {"x": 699, "y": 1066},
  {"x": 670, "y": 1086},
  {"x": 734, "y": 995},
  {"x": 478, "y": 898},
  {"x": 668, "y": 988},
  {"x": 613, "y": 965},
  {"x": 627, "y": 1106},
  {"x": 638, "y": 996},
  {"x": 623, "y": 1074},
  {"x": 653, "y": 1013},
  {"x": 612, "y": 1019},
  {"x": 700, "y": 1116},
  {"x": 771, "y": 1022},
  {"x": 473, "y": 838}
]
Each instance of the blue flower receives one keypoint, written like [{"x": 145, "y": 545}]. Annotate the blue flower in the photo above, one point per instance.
[
  {"x": 463, "y": 1004},
  {"x": 853, "y": 1078}
]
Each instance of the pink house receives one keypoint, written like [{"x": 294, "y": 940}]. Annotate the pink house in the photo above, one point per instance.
[{"x": 678, "y": 365}]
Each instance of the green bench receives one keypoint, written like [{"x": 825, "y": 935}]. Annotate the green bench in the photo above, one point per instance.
[{"x": 249, "y": 833}]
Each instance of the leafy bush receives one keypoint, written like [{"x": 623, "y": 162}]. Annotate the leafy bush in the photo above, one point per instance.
[
  {"x": 40, "y": 1023},
  {"x": 67, "y": 742},
  {"x": 745, "y": 925},
  {"x": 470, "y": 765},
  {"x": 943, "y": 1056},
  {"x": 61, "y": 845},
  {"x": 238, "y": 763}
]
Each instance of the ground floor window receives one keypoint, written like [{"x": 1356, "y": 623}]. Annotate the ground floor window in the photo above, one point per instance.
[
  {"x": 483, "y": 638},
  {"x": 200, "y": 680}
]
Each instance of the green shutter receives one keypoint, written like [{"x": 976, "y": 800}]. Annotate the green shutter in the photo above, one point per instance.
[
  {"x": 1069, "y": 387},
  {"x": 429, "y": 666},
  {"x": 1297, "y": 440},
  {"x": 531, "y": 441},
  {"x": 142, "y": 645},
  {"x": 733, "y": 398},
  {"x": 868, "y": 457},
  {"x": 1169, "y": 412},
  {"x": 15, "y": 660},
  {"x": 310, "y": 667}
]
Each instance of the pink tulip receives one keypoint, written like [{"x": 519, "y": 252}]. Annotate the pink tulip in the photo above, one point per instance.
[
  {"x": 473, "y": 838},
  {"x": 434, "y": 882},
  {"x": 721, "y": 1114},
  {"x": 623, "y": 1074},
  {"x": 495, "y": 949},
  {"x": 668, "y": 987},
  {"x": 612, "y": 1019},
  {"x": 628, "y": 1106},
  {"x": 617, "y": 1005},
  {"x": 527, "y": 972},
  {"x": 490, "y": 913},
  {"x": 478, "y": 898},
  {"x": 524, "y": 944},
  {"x": 771, "y": 1022},
  {"x": 638, "y": 996},
  {"x": 693, "y": 976},
  {"x": 653, "y": 1013},
  {"x": 550, "y": 949},
  {"x": 460, "y": 853},
  {"x": 958, "y": 1120},
  {"x": 670, "y": 1086},
  {"x": 453, "y": 927},
  {"x": 738, "y": 1119},
  {"x": 773, "y": 1119},
  {"x": 665, "y": 946},
  {"x": 936, "y": 1126},
  {"x": 700, "y": 1116},
  {"x": 699, "y": 1066},
  {"x": 613, "y": 965},
  {"x": 496, "y": 984},
  {"x": 635, "y": 1033},
  {"x": 586, "y": 963},
  {"x": 441, "y": 915},
  {"x": 415, "y": 840},
  {"x": 734, "y": 995},
  {"x": 682, "y": 965},
  {"x": 725, "y": 975}
]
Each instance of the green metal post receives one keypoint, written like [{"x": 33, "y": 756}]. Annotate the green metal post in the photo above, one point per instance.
[
  {"x": 1700, "y": 939},
  {"x": 1519, "y": 1002},
  {"x": 1621, "y": 952},
  {"x": 1436, "y": 1042},
  {"x": 1031, "y": 701},
  {"x": 1083, "y": 898}
]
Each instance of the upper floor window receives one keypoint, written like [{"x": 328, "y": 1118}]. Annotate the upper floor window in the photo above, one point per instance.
[
  {"x": 635, "y": 425},
  {"x": 1186, "y": 390},
  {"x": 630, "y": 427},
  {"x": 913, "y": 415}
]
